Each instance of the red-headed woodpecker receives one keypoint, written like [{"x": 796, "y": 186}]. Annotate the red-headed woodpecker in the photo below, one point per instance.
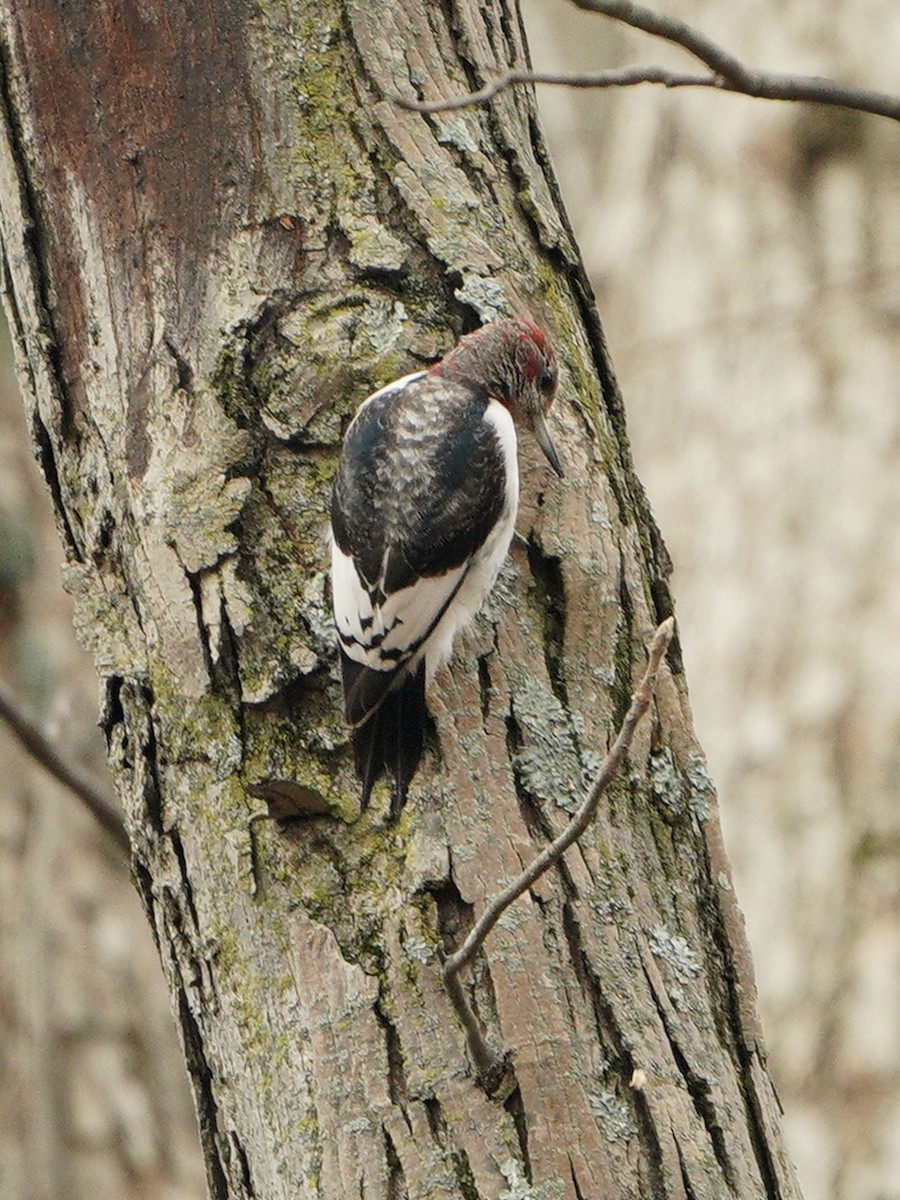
[{"x": 422, "y": 515}]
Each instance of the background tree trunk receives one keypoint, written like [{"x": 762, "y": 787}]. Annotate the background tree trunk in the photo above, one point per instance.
[{"x": 219, "y": 233}]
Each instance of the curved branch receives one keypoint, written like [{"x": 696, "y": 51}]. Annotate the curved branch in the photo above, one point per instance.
[
  {"x": 761, "y": 85},
  {"x": 102, "y": 807},
  {"x": 719, "y": 60},
  {"x": 489, "y": 1065},
  {"x": 622, "y": 77},
  {"x": 728, "y": 74}
]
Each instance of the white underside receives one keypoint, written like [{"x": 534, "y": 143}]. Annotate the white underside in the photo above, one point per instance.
[{"x": 406, "y": 615}]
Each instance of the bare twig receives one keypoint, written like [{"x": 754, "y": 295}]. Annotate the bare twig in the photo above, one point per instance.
[
  {"x": 489, "y": 1064},
  {"x": 762, "y": 85},
  {"x": 624, "y": 77},
  {"x": 670, "y": 30},
  {"x": 95, "y": 800},
  {"x": 728, "y": 74}
]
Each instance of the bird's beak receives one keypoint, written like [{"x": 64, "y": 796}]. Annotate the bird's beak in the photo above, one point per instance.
[{"x": 545, "y": 441}]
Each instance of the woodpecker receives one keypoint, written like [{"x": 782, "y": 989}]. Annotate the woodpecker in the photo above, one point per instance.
[{"x": 422, "y": 514}]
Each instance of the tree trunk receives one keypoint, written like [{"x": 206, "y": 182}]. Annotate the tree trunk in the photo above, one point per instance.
[{"x": 219, "y": 234}]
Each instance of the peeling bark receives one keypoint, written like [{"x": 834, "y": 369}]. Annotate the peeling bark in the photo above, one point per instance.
[{"x": 219, "y": 233}]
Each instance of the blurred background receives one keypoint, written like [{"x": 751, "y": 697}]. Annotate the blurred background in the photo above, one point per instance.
[{"x": 746, "y": 259}]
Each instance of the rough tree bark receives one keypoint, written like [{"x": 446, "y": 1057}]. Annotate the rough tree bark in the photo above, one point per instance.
[{"x": 218, "y": 234}]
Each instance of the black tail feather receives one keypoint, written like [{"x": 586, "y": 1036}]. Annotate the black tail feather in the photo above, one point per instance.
[
  {"x": 393, "y": 738},
  {"x": 364, "y": 688}
]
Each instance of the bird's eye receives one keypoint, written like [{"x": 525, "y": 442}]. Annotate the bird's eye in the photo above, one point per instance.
[{"x": 547, "y": 380}]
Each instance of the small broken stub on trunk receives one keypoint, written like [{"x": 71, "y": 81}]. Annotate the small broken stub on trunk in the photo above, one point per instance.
[{"x": 288, "y": 800}]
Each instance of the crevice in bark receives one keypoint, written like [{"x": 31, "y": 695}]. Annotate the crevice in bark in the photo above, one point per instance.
[
  {"x": 437, "y": 1126},
  {"x": 579, "y": 965},
  {"x": 698, "y": 1089},
  {"x": 207, "y": 1109},
  {"x": 398, "y": 1090},
  {"x": 187, "y": 890},
  {"x": 106, "y": 532},
  {"x": 223, "y": 666},
  {"x": 624, "y": 647},
  {"x": 393, "y": 212},
  {"x": 111, "y": 711},
  {"x": 234, "y": 379},
  {"x": 244, "y": 1167},
  {"x": 152, "y": 795},
  {"x": 546, "y": 572},
  {"x": 193, "y": 579},
  {"x": 228, "y": 665},
  {"x": 551, "y": 940},
  {"x": 512, "y": 44},
  {"x": 456, "y": 28},
  {"x": 144, "y": 884},
  {"x": 686, "y": 1183},
  {"x": 47, "y": 460},
  {"x": 400, "y": 219},
  {"x": 650, "y": 1142},
  {"x": 484, "y": 687},
  {"x": 183, "y": 369},
  {"x": 226, "y": 677},
  {"x": 338, "y": 245},
  {"x": 516, "y": 1109},
  {"x": 455, "y": 917},
  {"x": 609, "y": 1035},
  {"x": 579, "y": 1195},
  {"x": 663, "y": 604},
  {"x": 396, "y": 1184},
  {"x": 727, "y": 1013},
  {"x": 443, "y": 1139},
  {"x": 756, "y": 1125},
  {"x": 464, "y": 1174}
]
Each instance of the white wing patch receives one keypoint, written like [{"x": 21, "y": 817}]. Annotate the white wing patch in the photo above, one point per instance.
[{"x": 390, "y": 635}]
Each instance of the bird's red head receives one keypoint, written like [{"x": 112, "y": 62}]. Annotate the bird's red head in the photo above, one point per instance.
[{"x": 513, "y": 361}]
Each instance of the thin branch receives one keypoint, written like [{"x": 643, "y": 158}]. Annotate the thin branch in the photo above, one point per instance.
[
  {"x": 102, "y": 807},
  {"x": 670, "y": 30},
  {"x": 761, "y": 85},
  {"x": 731, "y": 75},
  {"x": 624, "y": 77},
  {"x": 728, "y": 73},
  {"x": 490, "y": 1066}
]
